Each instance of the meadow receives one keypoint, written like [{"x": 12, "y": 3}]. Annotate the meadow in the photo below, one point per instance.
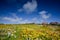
[{"x": 29, "y": 32}]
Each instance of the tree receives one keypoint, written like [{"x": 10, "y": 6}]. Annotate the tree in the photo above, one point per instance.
[{"x": 54, "y": 23}]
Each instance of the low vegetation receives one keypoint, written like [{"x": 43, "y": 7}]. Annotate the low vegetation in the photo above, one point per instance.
[{"x": 29, "y": 32}]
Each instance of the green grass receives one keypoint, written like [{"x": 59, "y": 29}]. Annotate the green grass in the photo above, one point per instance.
[{"x": 16, "y": 31}]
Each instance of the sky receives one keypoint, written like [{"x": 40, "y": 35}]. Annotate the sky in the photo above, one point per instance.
[{"x": 29, "y": 11}]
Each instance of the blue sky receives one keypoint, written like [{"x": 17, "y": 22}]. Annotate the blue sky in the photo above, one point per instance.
[{"x": 29, "y": 11}]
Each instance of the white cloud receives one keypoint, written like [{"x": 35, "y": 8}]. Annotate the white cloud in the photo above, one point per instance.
[
  {"x": 44, "y": 14},
  {"x": 12, "y": 19},
  {"x": 9, "y": 19},
  {"x": 41, "y": 20},
  {"x": 16, "y": 19},
  {"x": 34, "y": 19},
  {"x": 29, "y": 7},
  {"x": 25, "y": 21}
]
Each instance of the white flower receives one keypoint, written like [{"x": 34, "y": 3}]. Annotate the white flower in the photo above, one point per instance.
[
  {"x": 9, "y": 33},
  {"x": 14, "y": 31},
  {"x": 12, "y": 34}
]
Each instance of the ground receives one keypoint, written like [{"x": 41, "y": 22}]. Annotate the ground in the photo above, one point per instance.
[{"x": 29, "y": 32}]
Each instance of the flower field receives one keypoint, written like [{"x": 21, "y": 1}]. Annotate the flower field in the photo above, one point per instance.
[{"x": 29, "y": 32}]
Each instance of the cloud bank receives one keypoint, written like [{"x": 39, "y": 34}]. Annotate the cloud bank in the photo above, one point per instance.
[
  {"x": 44, "y": 14},
  {"x": 12, "y": 19},
  {"x": 29, "y": 7}
]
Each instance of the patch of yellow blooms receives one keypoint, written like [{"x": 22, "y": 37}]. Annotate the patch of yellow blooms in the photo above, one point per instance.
[{"x": 32, "y": 33}]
